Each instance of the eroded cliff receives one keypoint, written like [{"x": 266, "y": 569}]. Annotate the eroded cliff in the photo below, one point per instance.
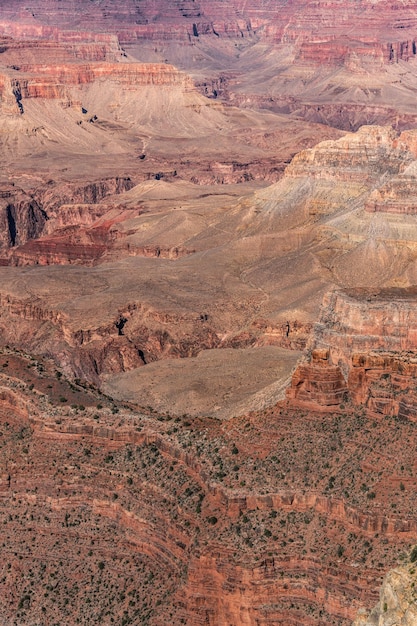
[
  {"x": 188, "y": 519},
  {"x": 362, "y": 351}
]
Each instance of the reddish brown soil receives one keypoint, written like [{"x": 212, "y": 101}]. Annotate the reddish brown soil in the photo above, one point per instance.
[{"x": 115, "y": 514}]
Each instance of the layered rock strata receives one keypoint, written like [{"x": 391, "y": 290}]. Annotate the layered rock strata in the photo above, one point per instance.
[
  {"x": 307, "y": 38},
  {"x": 19, "y": 83},
  {"x": 280, "y": 21},
  {"x": 21, "y": 217},
  {"x": 318, "y": 381},
  {"x": 397, "y": 197},
  {"x": 363, "y": 350},
  {"x": 25, "y": 217},
  {"x": 188, "y": 520}
]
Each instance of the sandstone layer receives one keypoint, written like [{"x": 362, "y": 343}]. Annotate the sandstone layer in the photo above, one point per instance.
[
  {"x": 111, "y": 511},
  {"x": 176, "y": 200},
  {"x": 363, "y": 351}
]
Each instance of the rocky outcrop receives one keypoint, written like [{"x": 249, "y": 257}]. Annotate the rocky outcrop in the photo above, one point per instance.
[
  {"x": 26, "y": 217},
  {"x": 21, "y": 217},
  {"x": 56, "y": 82},
  {"x": 397, "y": 602},
  {"x": 54, "y": 197},
  {"x": 260, "y": 595},
  {"x": 57, "y": 250},
  {"x": 109, "y": 347},
  {"x": 214, "y": 88},
  {"x": 365, "y": 343},
  {"x": 397, "y": 196},
  {"x": 340, "y": 52},
  {"x": 50, "y": 81},
  {"x": 62, "y": 46},
  {"x": 341, "y": 174},
  {"x": 318, "y": 382},
  {"x": 366, "y": 155},
  {"x": 83, "y": 245}
]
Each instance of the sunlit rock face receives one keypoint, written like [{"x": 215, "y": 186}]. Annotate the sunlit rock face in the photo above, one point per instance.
[
  {"x": 208, "y": 260},
  {"x": 397, "y": 600},
  {"x": 363, "y": 352}
]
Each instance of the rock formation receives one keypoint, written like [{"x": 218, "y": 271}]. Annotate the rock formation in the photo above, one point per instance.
[
  {"x": 22, "y": 218},
  {"x": 177, "y": 201},
  {"x": 298, "y": 38},
  {"x": 363, "y": 350},
  {"x": 319, "y": 382},
  {"x": 397, "y": 603},
  {"x": 187, "y": 517},
  {"x": 161, "y": 229}
]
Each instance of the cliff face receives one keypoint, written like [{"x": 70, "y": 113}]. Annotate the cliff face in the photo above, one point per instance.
[
  {"x": 25, "y": 217},
  {"x": 53, "y": 197},
  {"x": 281, "y": 21},
  {"x": 397, "y": 603},
  {"x": 363, "y": 351},
  {"x": 21, "y": 217},
  {"x": 373, "y": 151},
  {"x": 19, "y": 47},
  {"x": 127, "y": 73},
  {"x": 55, "y": 82}
]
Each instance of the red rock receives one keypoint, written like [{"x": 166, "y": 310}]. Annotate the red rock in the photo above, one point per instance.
[
  {"x": 321, "y": 384},
  {"x": 372, "y": 338}
]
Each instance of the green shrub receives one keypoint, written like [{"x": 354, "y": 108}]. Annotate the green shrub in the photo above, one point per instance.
[{"x": 413, "y": 555}]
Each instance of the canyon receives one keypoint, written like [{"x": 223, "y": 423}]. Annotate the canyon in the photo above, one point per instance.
[
  {"x": 154, "y": 510},
  {"x": 208, "y": 266}
]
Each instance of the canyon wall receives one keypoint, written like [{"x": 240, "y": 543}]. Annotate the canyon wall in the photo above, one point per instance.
[
  {"x": 308, "y": 36},
  {"x": 362, "y": 351},
  {"x": 279, "y": 21},
  {"x": 218, "y": 518},
  {"x": 54, "y": 81}
]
